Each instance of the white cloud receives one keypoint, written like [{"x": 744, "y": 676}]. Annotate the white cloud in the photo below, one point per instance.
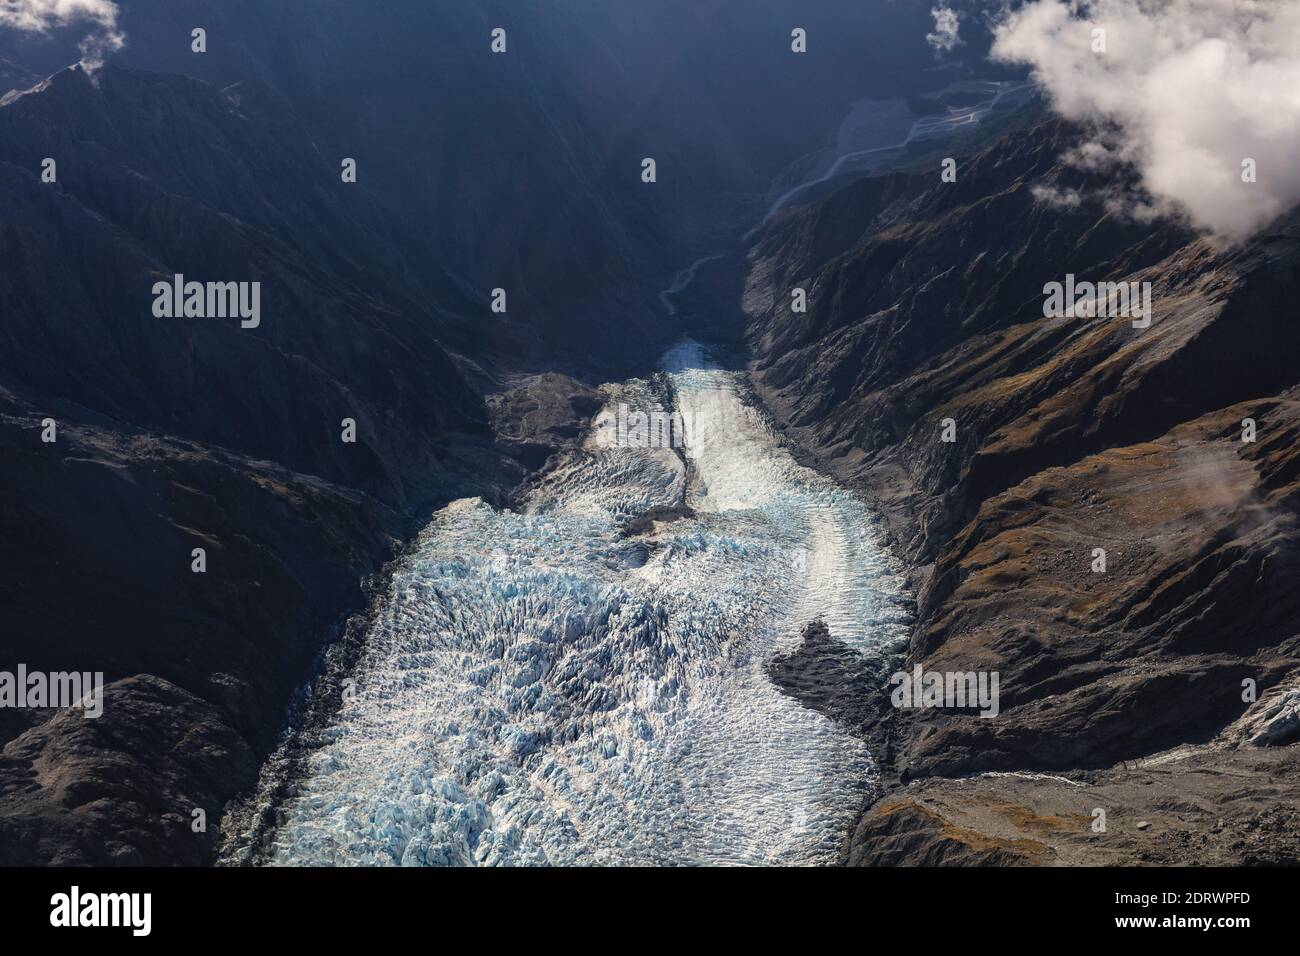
[
  {"x": 1057, "y": 198},
  {"x": 1185, "y": 90},
  {"x": 947, "y": 22},
  {"x": 41, "y": 16},
  {"x": 38, "y": 16}
]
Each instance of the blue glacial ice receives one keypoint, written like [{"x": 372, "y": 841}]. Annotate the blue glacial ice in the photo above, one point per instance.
[{"x": 539, "y": 688}]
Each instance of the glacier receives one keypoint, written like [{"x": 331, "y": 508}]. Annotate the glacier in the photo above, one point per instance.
[{"x": 541, "y": 687}]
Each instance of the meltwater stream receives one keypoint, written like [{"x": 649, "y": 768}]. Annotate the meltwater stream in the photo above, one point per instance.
[{"x": 549, "y": 687}]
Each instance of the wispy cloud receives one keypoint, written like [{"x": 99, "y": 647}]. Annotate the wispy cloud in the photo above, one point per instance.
[
  {"x": 1184, "y": 90},
  {"x": 947, "y": 23},
  {"x": 1056, "y": 197},
  {"x": 42, "y": 16}
]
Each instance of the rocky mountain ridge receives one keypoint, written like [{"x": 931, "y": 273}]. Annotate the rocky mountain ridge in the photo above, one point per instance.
[{"x": 1071, "y": 434}]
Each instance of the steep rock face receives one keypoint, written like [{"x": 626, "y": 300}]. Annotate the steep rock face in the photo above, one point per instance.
[
  {"x": 75, "y": 792},
  {"x": 464, "y": 182},
  {"x": 129, "y": 209},
  {"x": 1071, "y": 434},
  {"x": 1101, "y": 666}
]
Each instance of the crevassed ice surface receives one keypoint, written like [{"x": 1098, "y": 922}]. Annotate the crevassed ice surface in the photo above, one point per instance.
[{"x": 542, "y": 689}]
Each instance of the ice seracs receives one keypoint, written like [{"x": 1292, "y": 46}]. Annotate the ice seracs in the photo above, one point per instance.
[{"x": 530, "y": 695}]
